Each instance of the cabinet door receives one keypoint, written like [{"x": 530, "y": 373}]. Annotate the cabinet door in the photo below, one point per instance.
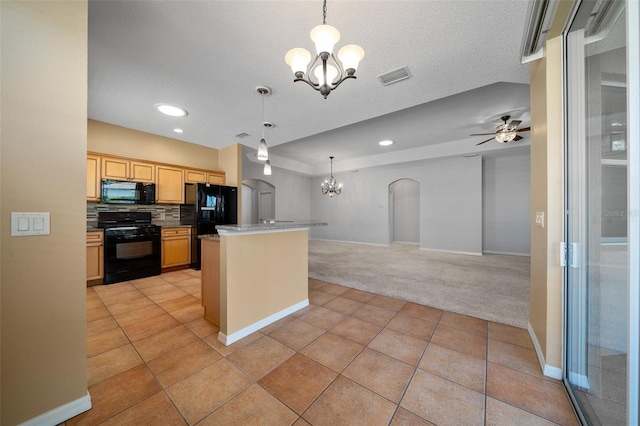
[
  {"x": 93, "y": 178},
  {"x": 169, "y": 185},
  {"x": 215, "y": 178},
  {"x": 195, "y": 176},
  {"x": 115, "y": 168},
  {"x": 176, "y": 251},
  {"x": 142, "y": 172},
  {"x": 95, "y": 256}
]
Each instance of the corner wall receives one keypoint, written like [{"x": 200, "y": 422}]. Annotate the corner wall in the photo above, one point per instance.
[
  {"x": 545, "y": 318},
  {"x": 43, "y": 168}
]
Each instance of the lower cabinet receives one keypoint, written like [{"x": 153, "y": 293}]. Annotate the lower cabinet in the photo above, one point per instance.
[
  {"x": 95, "y": 257},
  {"x": 176, "y": 247}
]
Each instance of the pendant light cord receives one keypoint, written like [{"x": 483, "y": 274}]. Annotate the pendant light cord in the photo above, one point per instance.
[{"x": 263, "y": 116}]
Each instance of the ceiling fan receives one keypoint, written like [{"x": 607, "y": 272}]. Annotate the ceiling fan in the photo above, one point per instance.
[{"x": 505, "y": 132}]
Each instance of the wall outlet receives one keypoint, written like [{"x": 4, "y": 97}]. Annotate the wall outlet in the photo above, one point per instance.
[
  {"x": 540, "y": 219},
  {"x": 162, "y": 216}
]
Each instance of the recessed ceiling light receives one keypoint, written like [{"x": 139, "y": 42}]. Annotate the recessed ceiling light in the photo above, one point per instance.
[
  {"x": 385, "y": 143},
  {"x": 171, "y": 110},
  {"x": 178, "y": 130}
]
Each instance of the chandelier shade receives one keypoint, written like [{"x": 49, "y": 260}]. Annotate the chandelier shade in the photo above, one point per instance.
[
  {"x": 267, "y": 168},
  {"x": 319, "y": 73},
  {"x": 330, "y": 186}
]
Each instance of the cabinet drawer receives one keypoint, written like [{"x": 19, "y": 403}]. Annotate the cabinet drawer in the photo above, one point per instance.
[
  {"x": 176, "y": 232},
  {"x": 95, "y": 237}
]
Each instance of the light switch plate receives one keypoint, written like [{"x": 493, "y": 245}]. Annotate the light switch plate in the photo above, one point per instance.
[
  {"x": 540, "y": 219},
  {"x": 29, "y": 223}
]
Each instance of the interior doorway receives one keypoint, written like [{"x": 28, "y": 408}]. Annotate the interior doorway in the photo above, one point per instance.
[
  {"x": 258, "y": 201},
  {"x": 404, "y": 211}
]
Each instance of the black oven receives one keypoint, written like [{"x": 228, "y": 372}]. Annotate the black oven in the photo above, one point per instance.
[{"x": 132, "y": 246}]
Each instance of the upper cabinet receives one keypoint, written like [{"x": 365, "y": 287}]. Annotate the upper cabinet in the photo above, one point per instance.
[
  {"x": 203, "y": 176},
  {"x": 169, "y": 185},
  {"x": 93, "y": 177},
  {"x": 169, "y": 179},
  {"x": 123, "y": 169}
]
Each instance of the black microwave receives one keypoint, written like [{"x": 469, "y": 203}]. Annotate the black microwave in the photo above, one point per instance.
[{"x": 127, "y": 192}]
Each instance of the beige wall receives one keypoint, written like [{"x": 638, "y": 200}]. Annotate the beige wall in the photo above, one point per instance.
[
  {"x": 276, "y": 279},
  {"x": 42, "y": 167},
  {"x": 547, "y": 196},
  {"x": 110, "y": 139}
]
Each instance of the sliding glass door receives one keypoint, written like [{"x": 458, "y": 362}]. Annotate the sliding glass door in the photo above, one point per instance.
[{"x": 602, "y": 186}]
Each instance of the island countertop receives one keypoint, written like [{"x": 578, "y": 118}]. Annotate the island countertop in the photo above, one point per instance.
[{"x": 267, "y": 225}]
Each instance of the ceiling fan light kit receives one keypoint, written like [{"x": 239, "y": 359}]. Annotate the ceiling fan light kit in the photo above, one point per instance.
[
  {"x": 327, "y": 76},
  {"x": 505, "y": 132}
]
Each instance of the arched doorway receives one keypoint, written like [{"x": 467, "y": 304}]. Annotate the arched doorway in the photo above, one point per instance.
[
  {"x": 258, "y": 201},
  {"x": 404, "y": 211}
]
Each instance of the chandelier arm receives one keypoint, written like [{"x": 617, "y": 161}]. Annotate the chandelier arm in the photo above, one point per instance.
[
  {"x": 313, "y": 85},
  {"x": 343, "y": 79},
  {"x": 341, "y": 72}
]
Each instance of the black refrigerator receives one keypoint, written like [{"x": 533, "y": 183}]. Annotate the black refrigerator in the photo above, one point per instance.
[{"x": 205, "y": 207}]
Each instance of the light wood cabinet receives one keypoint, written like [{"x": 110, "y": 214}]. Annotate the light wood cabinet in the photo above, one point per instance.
[
  {"x": 95, "y": 255},
  {"x": 216, "y": 178},
  {"x": 204, "y": 176},
  {"x": 93, "y": 178},
  {"x": 169, "y": 185},
  {"x": 176, "y": 247},
  {"x": 210, "y": 281},
  {"x": 123, "y": 169}
]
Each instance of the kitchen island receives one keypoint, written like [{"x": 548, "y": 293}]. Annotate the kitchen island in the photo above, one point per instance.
[{"x": 254, "y": 275}]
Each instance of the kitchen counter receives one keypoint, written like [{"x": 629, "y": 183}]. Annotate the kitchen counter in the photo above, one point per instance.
[
  {"x": 271, "y": 225},
  {"x": 173, "y": 223},
  {"x": 254, "y": 275}
]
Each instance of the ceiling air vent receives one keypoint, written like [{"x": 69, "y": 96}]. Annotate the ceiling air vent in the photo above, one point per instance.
[
  {"x": 394, "y": 76},
  {"x": 242, "y": 135}
]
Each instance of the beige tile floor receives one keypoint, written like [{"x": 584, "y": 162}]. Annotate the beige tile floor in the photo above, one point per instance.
[{"x": 350, "y": 358}]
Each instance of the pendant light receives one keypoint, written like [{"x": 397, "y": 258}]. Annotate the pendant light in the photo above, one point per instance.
[{"x": 263, "y": 152}]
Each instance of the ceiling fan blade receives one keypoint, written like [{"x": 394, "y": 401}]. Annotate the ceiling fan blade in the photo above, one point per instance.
[
  {"x": 484, "y": 141},
  {"x": 524, "y": 129},
  {"x": 482, "y": 134},
  {"x": 515, "y": 123},
  {"x": 517, "y": 138}
]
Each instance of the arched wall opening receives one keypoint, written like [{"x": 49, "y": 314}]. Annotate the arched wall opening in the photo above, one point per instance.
[
  {"x": 258, "y": 201},
  {"x": 404, "y": 211}
]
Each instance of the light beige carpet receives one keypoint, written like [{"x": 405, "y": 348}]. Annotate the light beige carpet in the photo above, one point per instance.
[{"x": 491, "y": 287}]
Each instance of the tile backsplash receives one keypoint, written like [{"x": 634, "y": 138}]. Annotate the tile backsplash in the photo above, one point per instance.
[{"x": 170, "y": 211}]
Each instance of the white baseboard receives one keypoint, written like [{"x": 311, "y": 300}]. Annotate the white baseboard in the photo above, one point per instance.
[
  {"x": 508, "y": 253},
  {"x": 547, "y": 370},
  {"x": 62, "y": 413},
  {"x": 349, "y": 242},
  {"x": 234, "y": 337},
  {"x": 470, "y": 253}
]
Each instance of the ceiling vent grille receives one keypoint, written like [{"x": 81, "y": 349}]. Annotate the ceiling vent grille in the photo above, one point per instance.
[
  {"x": 242, "y": 135},
  {"x": 394, "y": 76}
]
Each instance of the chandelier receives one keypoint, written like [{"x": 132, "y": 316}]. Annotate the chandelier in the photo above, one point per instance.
[
  {"x": 330, "y": 186},
  {"x": 327, "y": 76}
]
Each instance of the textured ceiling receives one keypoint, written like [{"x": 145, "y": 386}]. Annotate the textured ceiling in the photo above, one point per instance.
[{"x": 209, "y": 56}]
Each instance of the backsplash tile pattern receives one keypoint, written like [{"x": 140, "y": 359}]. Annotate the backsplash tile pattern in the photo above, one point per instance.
[{"x": 171, "y": 211}]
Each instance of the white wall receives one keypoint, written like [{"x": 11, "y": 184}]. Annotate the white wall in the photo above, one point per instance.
[
  {"x": 292, "y": 190},
  {"x": 506, "y": 216},
  {"x": 450, "y": 204}
]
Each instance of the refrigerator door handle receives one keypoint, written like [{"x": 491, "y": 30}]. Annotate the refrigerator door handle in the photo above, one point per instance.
[{"x": 207, "y": 208}]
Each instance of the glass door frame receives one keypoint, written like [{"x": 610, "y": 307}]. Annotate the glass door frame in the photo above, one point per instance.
[{"x": 633, "y": 199}]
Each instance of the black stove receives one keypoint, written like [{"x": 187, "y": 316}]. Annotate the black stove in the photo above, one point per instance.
[{"x": 132, "y": 246}]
